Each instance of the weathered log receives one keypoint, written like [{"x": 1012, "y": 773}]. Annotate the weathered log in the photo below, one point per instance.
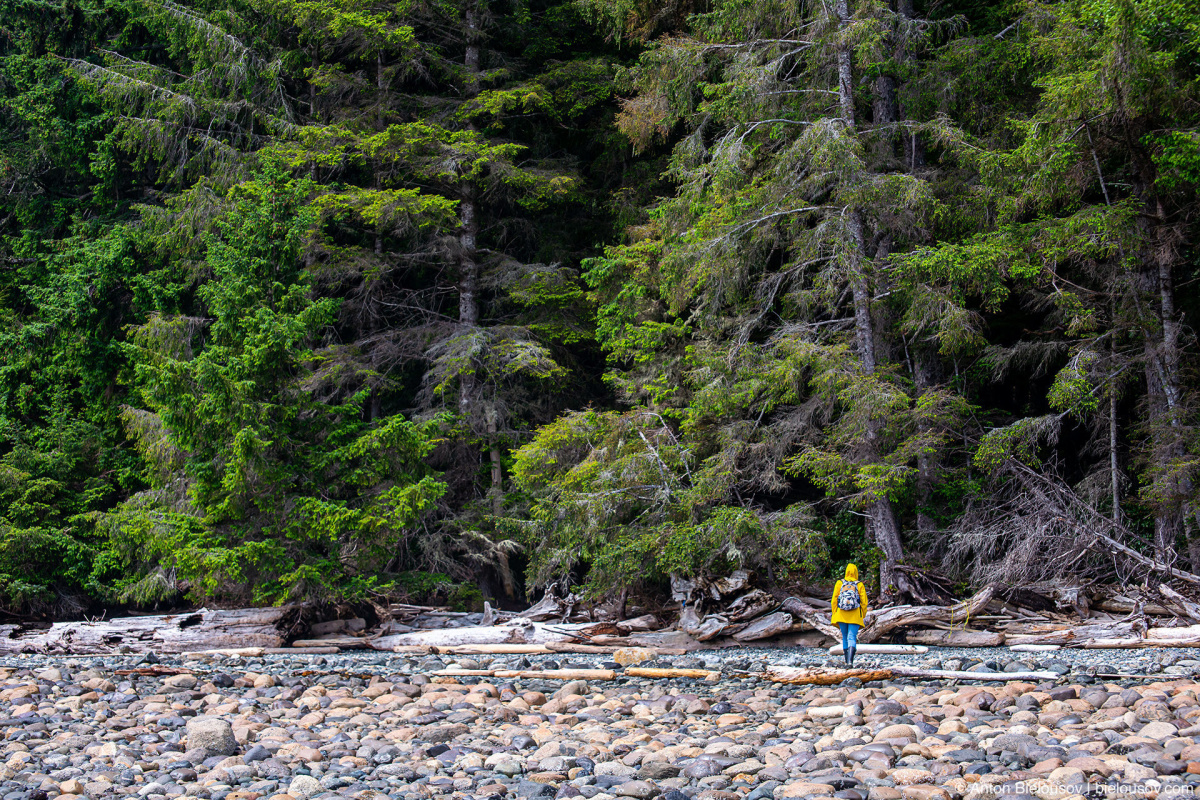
[
  {"x": 750, "y": 605},
  {"x": 661, "y": 639},
  {"x": 1083, "y": 633},
  {"x": 337, "y": 642},
  {"x": 704, "y": 629},
  {"x": 551, "y": 606},
  {"x": 1119, "y": 604},
  {"x": 512, "y": 633},
  {"x": 652, "y": 672},
  {"x": 481, "y": 650},
  {"x": 169, "y": 633},
  {"x": 882, "y": 649},
  {"x": 817, "y": 618},
  {"x": 824, "y": 676},
  {"x": 765, "y": 627},
  {"x": 1179, "y": 604},
  {"x": 939, "y": 638},
  {"x": 646, "y": 622},
  {"x": 947, "y": 674},
  {"x": 710, "y": 628},
  {"x": 883, "y": 621},
  {"x": 1133, "y": 642},
  {"x": 735, "y": 583},
  {"x": 571, "y": 647},
  {"x": 540, "y": 674},
  {"x": 248, "y": 652},
  {"x": 1034, "y": 648}
]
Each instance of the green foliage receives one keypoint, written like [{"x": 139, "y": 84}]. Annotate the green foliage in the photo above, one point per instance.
[
  {"x": 298, "y": 299},
  {"x": 263, "y": 490}
]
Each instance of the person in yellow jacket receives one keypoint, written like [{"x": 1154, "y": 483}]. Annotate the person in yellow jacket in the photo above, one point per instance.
[{"x": 849, "y": 610}]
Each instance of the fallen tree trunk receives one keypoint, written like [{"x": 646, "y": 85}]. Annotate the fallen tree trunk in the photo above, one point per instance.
[
  {"x": 336, "y": 642},
  {"x": 881, "y": 622},
  {"x": 528, "y": 633},
  {"x": 884, "y": 621},
  {"x": 1137, "y": 642},
  {"x": 170, "y": 633},
  {"x": 824, "y": 676},
  {"x": 817, "y": 618},
  {"x": 1178, "y": 604},
  {"x": 882, "y": 649},
  {"x": 765, "y": 627},
  {"x": 543, "y": 674},
  {"x": 652, "y": 672},
  {"x": 1080, "y": 634},
  {"x": 955, "y": 638}
]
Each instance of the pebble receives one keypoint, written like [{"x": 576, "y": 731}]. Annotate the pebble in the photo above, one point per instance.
[{"x": 379, "y": 726}]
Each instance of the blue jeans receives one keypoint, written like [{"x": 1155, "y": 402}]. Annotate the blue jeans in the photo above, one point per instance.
[{"x": 849, "y": 634}]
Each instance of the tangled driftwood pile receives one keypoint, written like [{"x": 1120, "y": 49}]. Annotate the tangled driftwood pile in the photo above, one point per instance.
[{"x": 728, "y": 611}]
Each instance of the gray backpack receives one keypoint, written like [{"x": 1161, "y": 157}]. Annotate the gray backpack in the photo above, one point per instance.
[{"x": 848, "y": 599}]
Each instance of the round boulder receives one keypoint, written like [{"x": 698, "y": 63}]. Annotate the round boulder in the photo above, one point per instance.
[{"x": 214, "y": 735}]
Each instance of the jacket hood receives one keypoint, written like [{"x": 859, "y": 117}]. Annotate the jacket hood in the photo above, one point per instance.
[{"x": 851, "y": 572}]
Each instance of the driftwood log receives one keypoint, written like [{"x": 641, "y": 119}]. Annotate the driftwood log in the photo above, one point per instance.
[
  {"x": 819, "y": 676},
  {"x": 1178, "y": 604},
  {"x": 938, "y": 638},
  {"x": 765, "y": 627},
  {"x": 512, "y": 633},
  {"x": 580, "y": 674},
  {"x": 1078, "y": 634},
  {"x": 169, "y": 633},
  {"x": 881, "y": 622},
  {"x": 824, "y": 676},
  {"x": 882, "y": 649}
]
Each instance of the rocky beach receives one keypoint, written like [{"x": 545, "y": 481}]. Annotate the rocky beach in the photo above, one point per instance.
[{"x": 376, "y": 725}]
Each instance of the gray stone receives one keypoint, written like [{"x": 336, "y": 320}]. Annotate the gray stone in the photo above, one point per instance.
[
  {"x": 303, "y": 787},
  {"x": 443, "y": 733},
  {"x": 214, "y": 735},
  {"x": 640, "y": 790}
]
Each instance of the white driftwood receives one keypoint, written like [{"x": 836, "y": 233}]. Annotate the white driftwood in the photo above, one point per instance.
[
  {"x": 1178, "y": 604},
  {"x": 169, "y": 633},
  {"x": 1080, "y": 634},
  {"x": 547, "y": 674},
  {"x": 511, "y": 633},
  {"x": 1034, "y": 648},
  {"x": 827, "y": 676},
  {"x": 947, "y": 674},
  {"x": 336, "y": 642},
  {"x": 939, "y": 638},
  {"x": 882, "y": 649},
  {"x": 646, "y": 622}
]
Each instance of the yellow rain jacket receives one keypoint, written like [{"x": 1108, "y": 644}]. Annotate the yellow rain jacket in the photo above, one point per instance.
[{"x": 856, "y": 615}]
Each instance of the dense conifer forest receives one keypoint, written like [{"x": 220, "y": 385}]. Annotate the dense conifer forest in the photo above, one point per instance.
[{"x": 338, "y": 300}]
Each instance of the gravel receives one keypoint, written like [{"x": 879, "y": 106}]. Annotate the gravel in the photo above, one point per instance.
[{"x": 377, "y": 725}]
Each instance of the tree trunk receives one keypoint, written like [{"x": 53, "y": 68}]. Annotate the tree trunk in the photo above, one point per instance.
[
  {"x": 468, "y": 276},
  {"x": 171, "y": 633},
  {"x": 914, "y": 148},
  {"x": 845, "y": 70},
  {"x": 1162, "y": 385},
  {"x": 926, "y": 374},
  {"x": 884, "y": 526},
  {"x": 1114, "y": 466}
]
